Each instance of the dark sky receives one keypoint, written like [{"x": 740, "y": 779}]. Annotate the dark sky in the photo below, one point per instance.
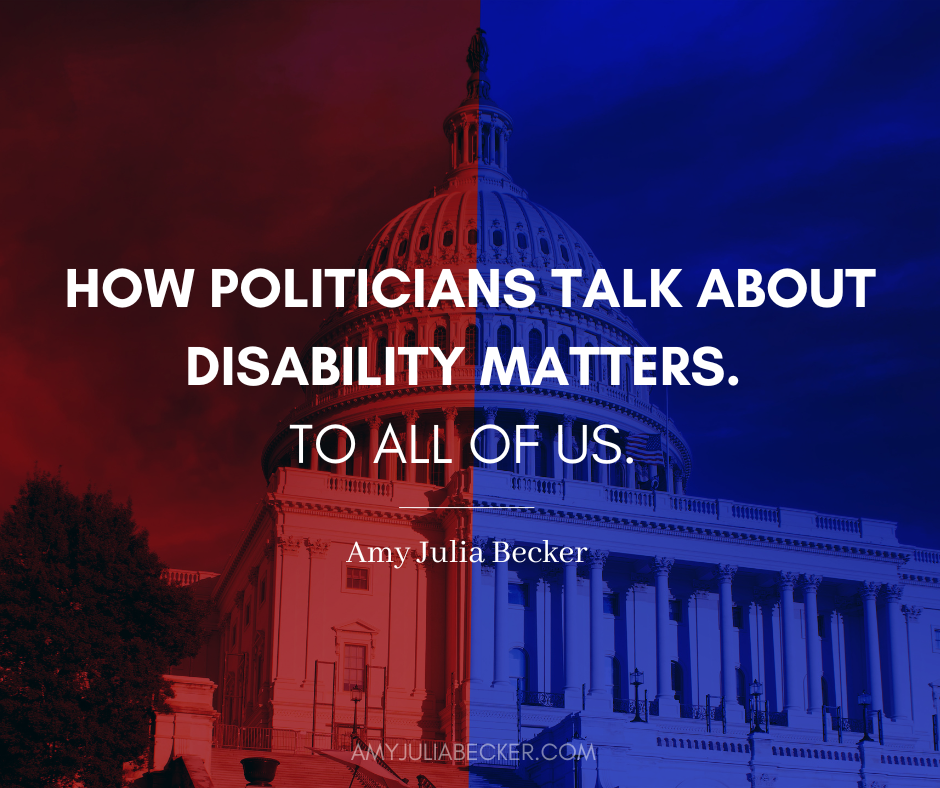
[{"x": 282, "y": 135}]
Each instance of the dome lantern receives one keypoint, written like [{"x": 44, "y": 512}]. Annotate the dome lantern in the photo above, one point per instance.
[{"x": 478, "y": 130}]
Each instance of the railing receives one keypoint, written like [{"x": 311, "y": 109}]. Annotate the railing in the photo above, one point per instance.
[
  {"x": 185, "y": 577},
  {"x": 630, "y": 497},
  {"x": 706, "y": 506},
  {"x": 629, "y": 706},
  {"x": 237, "y": 737},
  {"x": 554, "y": 700},
  {"x": 538, "y": 485},
  {"x": 843, "y": 524},
  {"x": 761, "y": 514},
  {"x": 359, "y": 485},
  {"x": 765, "y": 717},
  {"x": 710, "y": 712}
]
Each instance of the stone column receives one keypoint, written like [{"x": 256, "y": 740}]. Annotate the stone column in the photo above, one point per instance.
[
  {"x": 629, "y": 473},
  {"x": 528, "y": 468},
  {"x": 411, "y": 470},
  {"x": 572, "y": 686},
  {"x": 478, "y": 618},
  {"x": 450, "y": 443},
  {"x": 792, "y": 673},
  {"x": 598, "y": 657},
  {"x": 900, "y": 673},
  {"x": 668, "y": 707},
  {"x": 375, "y": 424},
  {"x": 501, "y": 625},
  {"x": 340, "y": 452},
  {"x": 814, "y": 697},
  {"x": 603, "y": 471},
  {"x": 489, "y": 436},
  {"x": 729, "y": 662},
  {"x": 872, "y": 653},
  {"x": 567, "y": 470}
]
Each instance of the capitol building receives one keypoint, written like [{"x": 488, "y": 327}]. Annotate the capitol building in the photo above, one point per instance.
[{"x": 700, "y": 642}]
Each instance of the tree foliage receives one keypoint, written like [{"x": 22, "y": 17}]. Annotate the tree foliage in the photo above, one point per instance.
[{"x": 88, "y": 628}]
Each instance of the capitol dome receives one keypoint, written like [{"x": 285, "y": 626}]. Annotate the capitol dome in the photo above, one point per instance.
[{"x": 479, "y": 218}]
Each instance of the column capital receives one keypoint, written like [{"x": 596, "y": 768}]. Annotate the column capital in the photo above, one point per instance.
[
  {"x": 568, "y": 420},
  {"x": 786, "y": 580},
  {"x": 317, "y": 548},
  {"x": 480, "y": 541},
  {"x": 726, "y": 572},
  {"x": 450, "y": 413},
  {"x": 894, "y": 592},
  {"x": 599, "y": 557},
  {"x": 870, "y": 589},
  {"x": 663, "y": 565},
  {"x": 912, "y": 612},
  {"x": 253, "y": 575},
  {"x": 290, "y": 545},
  {"x": 810, "y": 582},
  {"x": 531, "y": 416},
  {"x": 491, "y": 414},
  {"x": 375, "y": 422}
]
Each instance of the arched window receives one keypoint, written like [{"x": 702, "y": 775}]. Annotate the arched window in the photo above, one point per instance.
[
  {"x": 383, "y": 256},
  {"x": 504, "y": 342},
  {"x": 580, "y": 260},
  {"x": 380, "y": 347},
  {"x": 535, "y": 347},
  {"x": 519, "y": 668},
  {"x": 615, "y": 679},
  {"x": 497, "y": 237},
  {"x": 448, "y": 238},
  {"x": 522, "y": 241},
  {"x": 410, "y": 339},
  {"x": 564, "y": 254},
  {"x": 470, "y": 355},
  {"x": 543, "y": 245},
  {"x": 402, "y": 247},
  {"x": 592, "y": 365},
  {"x": 472, "y": 236},
  {"x": 677, "y": 680},
  {"x": 564, "y": 353},
  {"x": 440, "y": 341},
  {"x": 424, "y": 242}
]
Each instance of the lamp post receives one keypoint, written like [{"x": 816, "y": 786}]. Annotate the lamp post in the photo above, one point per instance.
[
  {"x": 757, "y": 689},
  {"x": 864, "y": 700},
  {"x": 355, "y": 693},
  {"x": 637, "y": 680}
]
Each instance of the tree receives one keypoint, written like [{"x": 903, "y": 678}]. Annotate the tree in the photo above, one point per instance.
[{"x": 88, "y": 628}]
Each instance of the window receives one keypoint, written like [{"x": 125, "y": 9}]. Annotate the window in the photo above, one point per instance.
[
  {"x": 564, "y": 254},
  {"x": 424, "y": 241},
  {"x": 436, "y": 474},
  {"x": 402, "y": 247},
  {"x": 535, "y": 347},
  {"x": 410, "y": 339},
  {"x": 522, "y": 241},
  {"x": 449, "y": 238},
  {"x": 564, "y": 353},
  {"x": 740, "y": 683},
  {"x": 354, "y": 667},
  {"x": 504, "y": 343},
  {"x": 519, "y": 668},
  {"x": 936, "y": 638},
  {"x": 737, "y": 617},
  {"x": 383, "y": 256},
  {"x": 263, "y": 589},
  {"x": 234, "y": 633},
  {"x": 611, "y": 605},
  {"x": 821, "y": 626},
  {"x": 357, "y": 579},
  {"x": 470, "y": 355},
  {"x": 592, "y": 365},
  {"x": 675, "y": 610},
  {"x": 440, "y": 341},
  {"x": 519, "y": 594},
  {"x": 497, "y": 237},
  {"x": 580, "y": 260},
  {"x": 380, "y": 348},
  {"x": 472, "y": 237},
  {"x": 247, "y": 612},
  {"x": 543, "y": 245}
]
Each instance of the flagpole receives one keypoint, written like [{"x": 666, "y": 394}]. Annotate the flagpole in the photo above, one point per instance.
[{"x": 666, "y": 451}]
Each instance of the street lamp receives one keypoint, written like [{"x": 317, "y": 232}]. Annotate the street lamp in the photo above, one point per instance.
[
  {"x": 637, "y": 680},
  {"x": 864, "y": 700},
  {"x": 757, "y": 689},
  {"x": 355, "y": 692}
]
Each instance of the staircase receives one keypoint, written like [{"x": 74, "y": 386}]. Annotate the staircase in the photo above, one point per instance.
[{"x": 315, "y": 771}]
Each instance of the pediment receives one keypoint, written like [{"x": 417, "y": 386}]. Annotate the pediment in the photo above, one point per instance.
[{"x": 356, "y": 626}]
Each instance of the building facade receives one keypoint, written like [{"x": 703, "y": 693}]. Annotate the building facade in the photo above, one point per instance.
[{"x": 690, "y": 621}]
